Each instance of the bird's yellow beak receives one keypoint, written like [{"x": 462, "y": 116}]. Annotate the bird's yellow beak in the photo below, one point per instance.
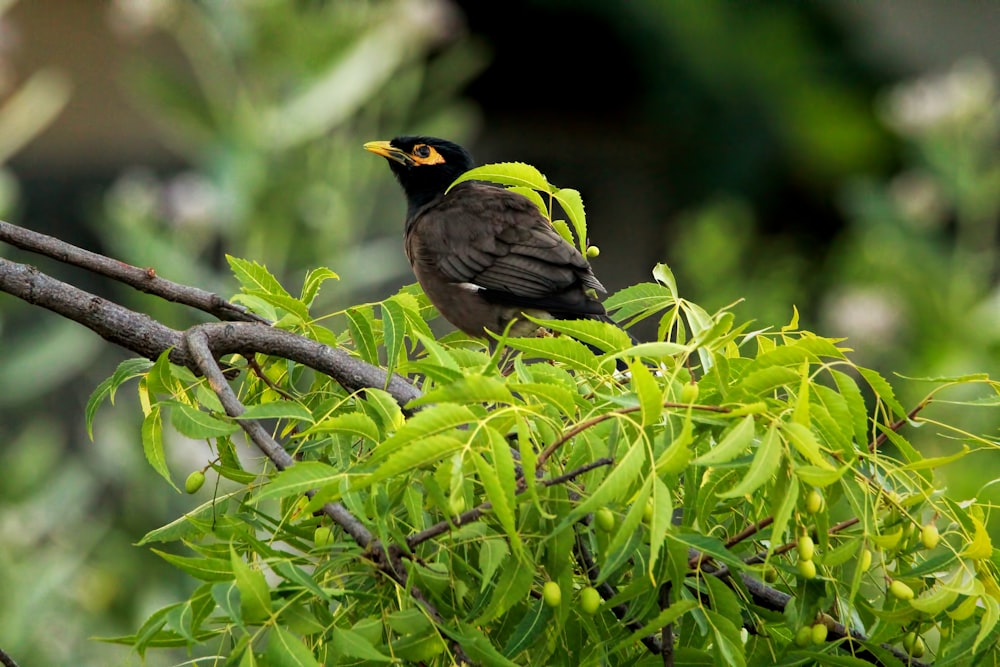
[{"x": 386, "y": 150}]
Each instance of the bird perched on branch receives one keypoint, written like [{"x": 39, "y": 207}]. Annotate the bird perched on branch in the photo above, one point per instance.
[{"x": 483, "y": 254}]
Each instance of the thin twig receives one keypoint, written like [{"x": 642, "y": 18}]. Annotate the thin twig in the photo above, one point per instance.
[
  {"x": 144, "y": 280},
  {"x": 6, "y": 660},
  {"x": 898, "y": 424}
]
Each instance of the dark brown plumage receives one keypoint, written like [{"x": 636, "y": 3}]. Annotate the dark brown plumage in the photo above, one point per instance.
[{"x": 483, "y": 254}]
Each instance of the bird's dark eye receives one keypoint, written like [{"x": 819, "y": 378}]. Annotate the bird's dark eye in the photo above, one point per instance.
[{"x": 422, "y": 150}]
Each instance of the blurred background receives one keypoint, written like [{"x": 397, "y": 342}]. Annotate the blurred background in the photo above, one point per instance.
[{"x": 840, "y": 156}]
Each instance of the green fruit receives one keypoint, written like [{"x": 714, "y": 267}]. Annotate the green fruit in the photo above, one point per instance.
[
  {"x": 803, "y": 636},
  {"x": 806, "y": 547},
  {"x": 605, "y": 519},
  {"x": 323, "y": 536},
  {"x": 930, "y": 536},
  {"x": 770, "y": 574},
  {"x": 919, "y": 648},
  {"x": 593, "y": 251},
  {"x": 814, "y": 502},
  {"x": 590, "y": 600},
  {"x": 818, "y": 633},
  {"x": 901, "y": 590},
  {"x": 807, "y": 569},
  {"x": 647, "y": 512},
  {"x": 194, "y": 481},
  {"x": 689, "y": 392},
  {"x": 908, "y": 640},
  {"x": 552, "y": 594},
  {"x": 865, "y": 561}
]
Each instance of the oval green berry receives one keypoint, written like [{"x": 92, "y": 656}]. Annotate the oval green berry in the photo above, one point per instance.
[
  {"x": 552, "y": 594},
  {"x": 323, "y": 536},
  {"x": 590, "y": 600},
  {"x": 814, "y": 502},
  {"x": 593, "y": 251},
  {"x": 865, "y": 561},
  {"x": 807, "y": 569},
  {"x": 806, "y": 548},
  {"x": 689, "y": 392},
  {"x": 803, "y": 636},
  {"x": 194, "y": 481},
  {"x": 901, "y": 590},
  {"x": 930, "y": 536},
  {"x": 605, "y": 519},
  {"x": 818, "y": 633}
]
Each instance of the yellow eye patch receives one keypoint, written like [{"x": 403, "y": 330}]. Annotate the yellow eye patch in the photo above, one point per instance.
[{"x": 424, "y": 154}]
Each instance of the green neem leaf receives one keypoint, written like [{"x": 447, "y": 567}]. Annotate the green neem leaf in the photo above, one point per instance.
[
  {"x": 763, "y": 467},
  {"x": 493, "y": 552},
  {"x": 655, "y": 351},
  {"x": 502, "y": 501},
  {"x": 663, "y": 511},
  {"x": 802, "y": 438},
  {"x": 284, "y": 649},
  {"x": 278, "y": 410},
  {"x": 437, "y": 353},
  {"x": 534, "y": 622},
  {"x": 563, "y": 230},
  {"x": 185, "y": 525},
  {"x": 197, "y": 425},
  {"x": 648, "y": 392},
  {"x": 301, "y": 477},
  {"x": 506, "y": 173},
  {"x": 572, "y": 203},
  {"x": 359, "y": 322},
  {"x": 665, "y": 617},
  {"x": 394, "y": 331},
  {"x": 467, "y": 389},
  {"x": 284, "y": 301},
  {"x": 849, "y": 390},
  {"x": 560, "y": 397},
  {"x": 430, "y": 421},
  {"x": 603, "y": 335},
  {"x": 732, "y": 445},
  {"x": 152, "y": 444},
  {"x": 205, "y": 569},
  {"x": 763, "y": 382},
  {"x": 543, "y": 206},
  {"x": 821, "y": 476},
  {"x": 511, "y": 588},
  {"x": 640, "y": 301},
  {"x": 615, "y": 487},
  {"x": 353, "y": 423},
  {"x": 314, "y": 279},
  {"x": 255, "y": 278},
  {"x": 664, "y": 276},
  {"x": 128, "y": 369},
  {"x": 101, "y": 391},
  {"x": 565, "y": 350},
  {"x": 416, "y": 454},
  {"x": 788, "y": 488},
  {"x": 255, "y": 595},
  {"x": 883, "y": 390}
]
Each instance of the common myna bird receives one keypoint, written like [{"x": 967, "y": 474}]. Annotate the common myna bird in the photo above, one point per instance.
[{"x": 483, "y": 254}]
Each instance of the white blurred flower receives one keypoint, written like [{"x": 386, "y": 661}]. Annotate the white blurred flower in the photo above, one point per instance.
[
  {"x": 919, "y": 199},
  {"x": 966, "y": 91},
  {"x": 868, "y": 317}
]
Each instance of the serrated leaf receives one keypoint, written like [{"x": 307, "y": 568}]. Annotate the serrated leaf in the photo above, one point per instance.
[
  {"x": 639, "y": 301},
  {"x": 101, "y": 391},
  {"x": 536, "y": 199},
  {"x": 665, "y": 617},
  {"x": 315, "y": 279},
  {"x": 359, "y": 323},
  {"x": 805, "y": 443},
  {"x": 416, "y": 454},
  {"x": 204, "y": 569},
  {"x": 506, "y": 173},
  {"x": 572, "y": 203},
  {"x": 732, "y": 444},
  {"x": 883, "y": 390},
  {"x": 429, "y": 421},
  {"x": 534, "y": 622},
  {"x": 783, "y": 510},
  {"x": 353, "y": 423},
  {"x": 655, "y": 351},
  {"x": 821, "y": 476},
  {"x": 564, "y": 350},
  {"x": 664, "y": 276},
  {"x": 511, "y": 588},
  {"x": 278, "y": 410},
  {"x": 286, "y": 302},
  {"x": 663, "y": 512},
  {"x": 561, "y": 398},
  {"x": 849, "y": 390},
  {"x": 493, "y": 552},
  {"x": 988, "y": 620},
  {"x": 394, "y": 332},
  {"x": 467, "y": 389},
  {"x": 284, "y": 649},
  {"x": 255, "y": 277},
  {"x": 613, "y": 488},
  {"x": 197, "y": 425},
  {"x": 255, "y": 595},
  {"x": 301, "y": 477},
  {"x": 648, "y": 392},
  {"x": 763, "y": 382},
  {"x": 152, "y": 444},
  {"x": 603, "y": 335},
  {"x": 501, "y": 501},
  {"x": 762, "y": 468}
]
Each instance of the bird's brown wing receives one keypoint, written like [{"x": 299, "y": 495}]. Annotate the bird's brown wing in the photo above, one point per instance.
[{"x": 497, "y": 240}]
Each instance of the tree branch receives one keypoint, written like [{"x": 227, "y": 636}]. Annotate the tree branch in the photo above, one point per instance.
[{"x": 144, "y": 280}]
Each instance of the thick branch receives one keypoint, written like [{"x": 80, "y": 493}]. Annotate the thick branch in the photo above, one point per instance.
[
  {"x": 148, "y": 338},
  {"x": 144, "y": 280}
]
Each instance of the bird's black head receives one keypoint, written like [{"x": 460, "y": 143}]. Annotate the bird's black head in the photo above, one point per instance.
[{"x": 424, "y": 166}]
